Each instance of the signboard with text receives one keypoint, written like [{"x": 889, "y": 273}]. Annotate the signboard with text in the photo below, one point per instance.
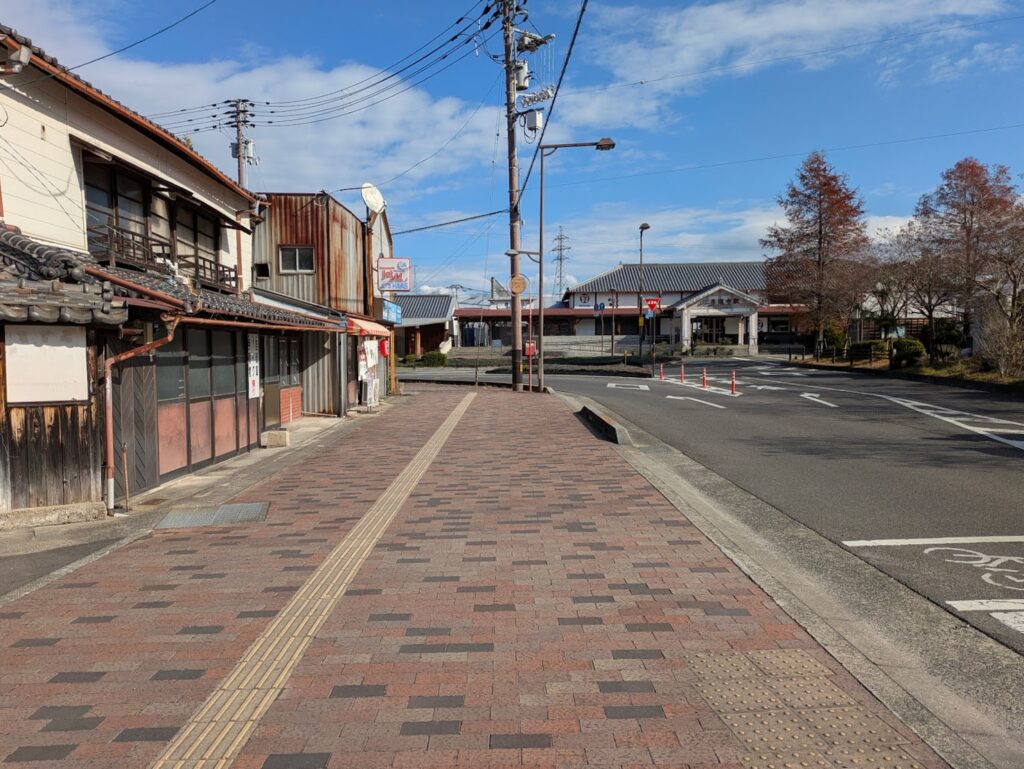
[
  {"x": 253, "y": 368},
  {"x": 391, "y": 312},
  {"x": 394, "y": 274}
]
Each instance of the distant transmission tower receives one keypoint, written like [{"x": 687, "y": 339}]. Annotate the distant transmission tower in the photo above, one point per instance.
[{"x": 561, "y": 249}]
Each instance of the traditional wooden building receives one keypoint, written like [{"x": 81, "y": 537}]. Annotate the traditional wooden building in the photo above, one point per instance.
[{"x": 129, "y": 341}]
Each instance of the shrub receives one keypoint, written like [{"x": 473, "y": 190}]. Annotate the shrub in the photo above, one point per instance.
[
  {"x": 878, "y": 345},
  {"x": 435, "y": 358},
  {"x": 410, "y": 360},
  {"x": 907, "y": 352}
]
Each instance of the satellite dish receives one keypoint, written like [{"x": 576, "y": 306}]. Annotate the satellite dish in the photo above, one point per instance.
[{"x": 372, "y": 197}]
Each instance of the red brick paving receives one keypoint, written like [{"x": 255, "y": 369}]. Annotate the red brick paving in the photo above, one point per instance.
[{"x": 535, "y": 603}]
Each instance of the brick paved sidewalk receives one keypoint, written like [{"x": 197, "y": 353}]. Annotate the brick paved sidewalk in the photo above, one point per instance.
[{"x": 534, "y": 602}]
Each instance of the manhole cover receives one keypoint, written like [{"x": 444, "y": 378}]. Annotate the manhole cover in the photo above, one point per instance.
[{"x": 244, "y": 512}]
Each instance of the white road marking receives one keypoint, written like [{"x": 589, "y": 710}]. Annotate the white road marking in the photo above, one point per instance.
[
  {"x": 766, "y": 387},
  {"x": 621, "y": 386},
  {"x": 815, "y": 398},
  {"x": 1012, "y": 619},
  {"x": 709, "y": 389},
  {"x": 698, "y": 400},
  {"x": 989, "y": 604},
  {"x": 976, "y": 423},
  {"x": 932, "y": 541}
]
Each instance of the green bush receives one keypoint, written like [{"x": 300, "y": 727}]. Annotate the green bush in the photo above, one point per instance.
[
  {"x": 878, "y": 345},
  {"x": 435, "y": 358},
  {"x": 907, "y": 352},
  {"x": 410, "y": 360}
]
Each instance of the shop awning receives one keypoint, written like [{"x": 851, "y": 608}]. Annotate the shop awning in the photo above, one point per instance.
[{"x": 366, "y": 327}]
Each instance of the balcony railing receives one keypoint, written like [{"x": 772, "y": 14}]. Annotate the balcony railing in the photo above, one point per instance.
[{"x": 116, "y": 246}]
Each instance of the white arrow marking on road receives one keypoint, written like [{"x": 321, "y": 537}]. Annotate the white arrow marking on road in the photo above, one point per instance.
[
  {"x": 619, "y": 386},
  {"x": 698, "y": 400},
  {"x": 815, "y": 398},
  {"x": 765, "y": 387}
]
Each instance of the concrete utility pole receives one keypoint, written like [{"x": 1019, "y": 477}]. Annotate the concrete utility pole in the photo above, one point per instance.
[
  {"x": 643, "y": 228},
  {"x": 240, "y": 120},
  {"x": 509, "y": 9}
]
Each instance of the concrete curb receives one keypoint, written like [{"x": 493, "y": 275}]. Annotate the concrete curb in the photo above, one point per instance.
[
  {"x": 466, "y": 383},
  {"x": 80, "y": 512},
  {"x": 596, "y": 418}
]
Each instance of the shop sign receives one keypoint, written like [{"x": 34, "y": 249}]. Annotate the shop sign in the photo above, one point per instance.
[
  {"x": 253, "y": 367},
  {"x": 394, "y": 274},
  {"x": 391, "y": 312}
]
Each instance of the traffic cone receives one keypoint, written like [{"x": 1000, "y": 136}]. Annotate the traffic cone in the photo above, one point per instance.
[
  {"x": 682, "y": 373},
  {"x": 661, "y": 371},
  {"x": 734, "y": 381},
  {"x": 704, "y": 378}
]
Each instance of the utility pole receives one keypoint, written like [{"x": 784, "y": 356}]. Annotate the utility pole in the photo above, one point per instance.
[
  {"x": 240, "y": 121},
  {"x": 560, "y": 249},
  {"x": 509, "y": 10}
]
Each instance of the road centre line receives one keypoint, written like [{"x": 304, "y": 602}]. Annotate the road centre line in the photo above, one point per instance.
[
  {"x": 932, "y": 541},
  {"x": 216, "y": 732},
  {"x": 989, "y": 604},
  {"x": 698, "y": 400}
]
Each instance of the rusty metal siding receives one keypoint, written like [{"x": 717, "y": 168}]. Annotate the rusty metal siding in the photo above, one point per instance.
[
  {"x": 320, "y": 380},
  {"x": 336, "y": 235},
  {"x": 292, "y": 220}
]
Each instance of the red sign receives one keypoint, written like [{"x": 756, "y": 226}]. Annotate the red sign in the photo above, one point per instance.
[
  {"x": 531, "y": 349},
  {"x": 652, "y": 303},
  {"x": 385, "y": 347}
]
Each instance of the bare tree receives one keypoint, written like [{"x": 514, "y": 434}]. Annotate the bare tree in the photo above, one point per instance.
[
  {"x": 819, "y": 253},
  {"x": 1001, "y": 339},
  {"x": 931, "y": 282},
  {"x": 891, "y": 278},
  {"x": 966, "y": 217}
]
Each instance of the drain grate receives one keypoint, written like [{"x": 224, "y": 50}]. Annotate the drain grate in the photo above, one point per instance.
[{"x": 244, "y": 512}]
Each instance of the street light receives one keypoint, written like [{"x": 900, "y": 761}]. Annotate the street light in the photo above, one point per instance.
[
  {"x": 643, "y": 227},
  {"x": 601, "y": 145}
]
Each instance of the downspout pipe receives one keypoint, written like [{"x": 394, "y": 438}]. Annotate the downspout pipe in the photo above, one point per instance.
[{"x": 108, "y": 405}]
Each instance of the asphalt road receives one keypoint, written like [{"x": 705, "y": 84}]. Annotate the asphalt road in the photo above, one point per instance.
[{"x": 935, "y": 472}]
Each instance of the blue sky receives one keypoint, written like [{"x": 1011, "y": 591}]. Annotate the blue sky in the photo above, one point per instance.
[{"x": 725, "y": 83}]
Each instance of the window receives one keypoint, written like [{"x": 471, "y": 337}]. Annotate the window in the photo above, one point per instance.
[
  {"x": 170, "y": 371},
  {"x": 223, "y": 363},
  {"x": 295, "y": 362},
  {"x": 198, "y": 364},
  {"x": 196, "y": 233},
  {"x": 296, "y": 259},
  {"x": 115, "y": 198}
]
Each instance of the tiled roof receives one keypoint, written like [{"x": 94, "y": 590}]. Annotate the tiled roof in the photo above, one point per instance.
[
  {"x": 31, "y": 260},
  {"x": 677, "y": 276},
  {"x": 159, "y": 132},
  {"x": 420, "y": 306},
  {"x": 47, "y": 284}
]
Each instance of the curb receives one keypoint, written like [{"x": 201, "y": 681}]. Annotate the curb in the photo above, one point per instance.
[
  {"x": 599, "y": 421},
  {"x": 466, "y": 383}
]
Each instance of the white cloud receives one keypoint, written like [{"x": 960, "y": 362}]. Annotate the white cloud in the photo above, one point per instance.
[
  {"x": 679, "y": 50},
  {"x": 375, "y": 144}
]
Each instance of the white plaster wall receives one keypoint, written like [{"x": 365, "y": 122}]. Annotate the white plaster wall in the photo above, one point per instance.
[{"x": 40, "y": 164}]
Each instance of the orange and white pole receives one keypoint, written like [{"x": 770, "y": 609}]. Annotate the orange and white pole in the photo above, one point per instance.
[
  {"x": 682, "y": 372},
  {"x": 661, "y": 371},
  {"x": 734, "y": 381},
  {"x": 704, "y": 378}
]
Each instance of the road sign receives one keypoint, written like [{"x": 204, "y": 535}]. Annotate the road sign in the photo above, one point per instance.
[
  {"x": 600, "y": 307},
  {"x": 649, "y": 314},
  {"x": 652, "y": 303},
  {"x": 517, "y": 285},
  {"x": 531, "y": 349}
]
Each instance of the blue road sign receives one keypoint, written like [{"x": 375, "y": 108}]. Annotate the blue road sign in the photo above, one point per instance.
[
  {"x": 600, "y": 307},
  {"x": 649, "y": 314}
]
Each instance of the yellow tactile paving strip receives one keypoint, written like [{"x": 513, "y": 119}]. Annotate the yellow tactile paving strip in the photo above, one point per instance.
[{"x": 218, "y": 730}]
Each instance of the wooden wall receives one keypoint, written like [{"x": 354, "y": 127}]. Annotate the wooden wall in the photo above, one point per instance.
[{"x": 50, "y": 453}]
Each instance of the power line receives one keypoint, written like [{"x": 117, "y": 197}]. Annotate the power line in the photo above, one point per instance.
[
  {"x": 344, "y": 88},
  {"x": 439, "y": 150},
  {"x": 140, "y": 41},
  {"x": 787, "y": 155},
  {"x": 454, "y": 221},
  {"x": 554, "y": 99}
]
